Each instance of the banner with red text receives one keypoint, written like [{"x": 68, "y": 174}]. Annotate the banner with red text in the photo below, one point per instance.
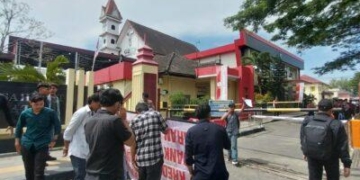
[
  {"x": 173, "y": 143},
  {"x": 174, "y": 151}
]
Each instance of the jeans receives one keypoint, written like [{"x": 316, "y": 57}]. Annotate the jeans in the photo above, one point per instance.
[
  {"x": 331, "y": 167},
  {"x": 34, "y": 162},
  {"x": 233, "y": 151},
  {"x": 152, "y": 172},
  {"x": 79, "y": 167}
]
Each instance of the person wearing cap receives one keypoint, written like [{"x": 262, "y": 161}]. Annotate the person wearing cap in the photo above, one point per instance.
[
  {"x": 44, "y": 90},
  {"x": 38, "y": 138},
  {"x": 339, "y": 143},
  {"x": 232, "y": 119}
]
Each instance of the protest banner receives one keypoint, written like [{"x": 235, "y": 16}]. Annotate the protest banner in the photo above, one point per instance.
[{"x": 173, "y": 143}]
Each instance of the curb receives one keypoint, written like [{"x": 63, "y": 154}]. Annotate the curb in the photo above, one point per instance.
[
  {"x": 16, "y": 154},
  {"x": 252, "y": 131},
  {"x": 60, "y": 175}
]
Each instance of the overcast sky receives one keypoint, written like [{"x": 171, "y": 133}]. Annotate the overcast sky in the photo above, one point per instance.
[{"x": 200, "y": 22}]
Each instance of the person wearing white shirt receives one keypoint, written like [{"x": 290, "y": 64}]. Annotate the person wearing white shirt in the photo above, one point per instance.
[{"x": 75, "y": 144}]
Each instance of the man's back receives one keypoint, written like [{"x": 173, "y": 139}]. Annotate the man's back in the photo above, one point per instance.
[
  {"x": 105, "y": 135},
  {"x": 147, "y": 128},
  {"x": 204, "y": 148}
]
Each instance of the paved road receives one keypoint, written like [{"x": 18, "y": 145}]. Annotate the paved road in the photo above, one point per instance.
[{"x": 273, "y": 154}]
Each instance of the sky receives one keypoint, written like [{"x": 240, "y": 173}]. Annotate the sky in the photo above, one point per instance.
[{"x": 200, "y": 22}]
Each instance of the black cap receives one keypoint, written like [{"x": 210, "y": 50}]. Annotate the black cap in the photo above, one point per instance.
[
  {"x": 35, "y": 97},
  {"x": 231, "y": 104},
  {"x": 325, "y": 105},
  {"x": 42, "y": 84}
]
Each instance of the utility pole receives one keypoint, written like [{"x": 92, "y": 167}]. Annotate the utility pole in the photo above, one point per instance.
[
  {"x": 40, "y": 54},
  {"x": 15, "y": 51},
  {"x": 19, "y": 57},
  {"x": 76, "y": 61}
]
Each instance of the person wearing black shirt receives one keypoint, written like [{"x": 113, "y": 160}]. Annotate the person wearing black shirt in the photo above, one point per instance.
[
  {"x": 106, "y": 134},
  {"x": 5, "y": 113},
  {"x": 339, "y": 141},
  {"x": 204, "y": 144}
]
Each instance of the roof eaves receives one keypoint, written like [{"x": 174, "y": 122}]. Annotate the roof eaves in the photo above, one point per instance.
[{"x": 170, "y": 62}]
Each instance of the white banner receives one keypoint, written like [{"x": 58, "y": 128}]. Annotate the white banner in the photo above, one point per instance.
[
  {"x": 174, "y": 152},
  {"x": 224, "y": 83},
  {"x": 300, "y": 91}
]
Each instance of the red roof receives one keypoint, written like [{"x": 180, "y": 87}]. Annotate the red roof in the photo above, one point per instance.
[
  {"x": 110, "y": 7},
  {"x": 310, "y": 80}
]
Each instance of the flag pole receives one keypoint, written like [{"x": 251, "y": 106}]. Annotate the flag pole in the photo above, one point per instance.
[{"x": 96, "y": 53}]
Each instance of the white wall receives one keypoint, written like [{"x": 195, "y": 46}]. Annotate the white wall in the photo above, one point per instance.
[
  {"x": 228, "y": 59},
  {"x": 130, "y": 43}
]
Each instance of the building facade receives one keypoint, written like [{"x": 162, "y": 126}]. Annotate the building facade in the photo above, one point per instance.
[{"x": 315, "y": 87}]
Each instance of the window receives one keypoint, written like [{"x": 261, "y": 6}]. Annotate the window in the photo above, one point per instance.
[
  {"x": 104, "y": 41},
  {"x": 112, "y": 41},
  {"x": 113, "y": 27},
  {"x": 312, "y": 88}
]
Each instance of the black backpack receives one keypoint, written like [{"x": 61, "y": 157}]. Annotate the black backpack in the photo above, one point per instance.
[{"x": 317, "y": 142}]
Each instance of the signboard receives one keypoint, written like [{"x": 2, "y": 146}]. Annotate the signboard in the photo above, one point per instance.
[
  {"x": 216, "y": 105},
  {"x": 18, "y": 95}
]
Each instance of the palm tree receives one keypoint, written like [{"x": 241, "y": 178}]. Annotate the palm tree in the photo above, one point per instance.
[
  {"x": 262, "y": 64},
  {"x": 28, "y": 73}
]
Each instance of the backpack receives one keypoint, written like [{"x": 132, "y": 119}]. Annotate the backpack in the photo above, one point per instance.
[{"x": 317, "y": 142}]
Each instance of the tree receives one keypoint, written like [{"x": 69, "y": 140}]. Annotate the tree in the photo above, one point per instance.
[
  {"x": 342, "y": 83},
  {"x": 261, "y": 62},
  {"x": 278, "y": 79},
  {"x": 15, "y": 20},
  {"x": 354, "y": 83},
  {"x": 306, "y": 24},
  {"x": 54, "y": 72}
]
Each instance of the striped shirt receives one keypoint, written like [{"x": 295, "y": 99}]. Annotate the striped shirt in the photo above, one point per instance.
[{"x": 147, "y": 127}]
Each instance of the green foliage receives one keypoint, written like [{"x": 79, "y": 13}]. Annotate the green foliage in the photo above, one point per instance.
[
  {"x": 307, "y": 99},
  {"x": 178, "y": 99},
  {"x": 306, "y": 24},
  {"x": 201, "y": 100},
  {"x": 270, "y": 72},
  {"x": 278, "y": 82},
  {"x": 354, "y": 83},
  {"x": 9, "y": 72},
  {"x": 54, "y": 74},
  {"x": 262, "y": 64},
  {"x": 342, "y": 83},
  {"x": 259, "y": 98}
]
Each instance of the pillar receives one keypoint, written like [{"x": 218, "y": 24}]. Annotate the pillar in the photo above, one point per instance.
[
  {"x": 70, "y": 86},
  {"x": 80, "y": 82},
  {"x": 90, "y": 82},
  {"x": 213, "y": 88},
  {"x": 144, "y": 77}
]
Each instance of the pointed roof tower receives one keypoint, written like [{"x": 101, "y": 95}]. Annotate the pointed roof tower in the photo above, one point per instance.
[{"x": 110, "y": 11}]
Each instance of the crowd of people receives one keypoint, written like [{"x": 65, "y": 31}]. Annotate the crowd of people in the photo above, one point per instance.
[{"x": 97, "y": 133}]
